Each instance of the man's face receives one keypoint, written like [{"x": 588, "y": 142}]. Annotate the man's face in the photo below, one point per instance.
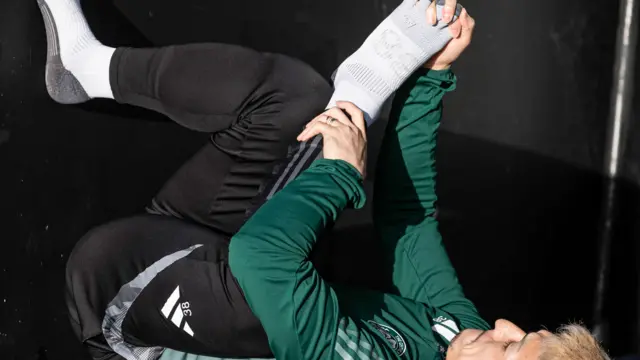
[{"x": 506, "y": 341}]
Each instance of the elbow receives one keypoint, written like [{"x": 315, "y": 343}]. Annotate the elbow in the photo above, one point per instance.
[
  {"x": 263, "y": 252},
  {"x": 239, "y": 253},
  {"x": 252, "y": 257}
]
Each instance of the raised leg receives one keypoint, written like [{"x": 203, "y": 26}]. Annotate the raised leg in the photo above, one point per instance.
[{"x": 253, "y": 104}]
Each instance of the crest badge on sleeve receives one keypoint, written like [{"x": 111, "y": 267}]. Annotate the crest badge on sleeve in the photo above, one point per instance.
[{"x": 392, "y": 336}]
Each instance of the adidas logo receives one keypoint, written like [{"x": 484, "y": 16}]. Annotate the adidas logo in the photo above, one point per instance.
[
  {"x": 179, "y": 310},
  {"x": 445, "y": 327}
]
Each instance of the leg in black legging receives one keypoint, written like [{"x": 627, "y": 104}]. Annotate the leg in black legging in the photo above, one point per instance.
[
  {"x": 145, "y": 283},
  {"x": 253, "y": 104},
  {"x": 141, "y": 284}
]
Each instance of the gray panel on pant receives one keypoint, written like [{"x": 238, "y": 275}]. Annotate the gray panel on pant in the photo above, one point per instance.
[{"x": 120, "y": 305}]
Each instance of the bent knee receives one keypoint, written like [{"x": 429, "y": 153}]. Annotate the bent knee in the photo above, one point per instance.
[
  {"x": 298, "y": 80},
  {"x": 83, "y": 311},
  {"x": 86, "y": 253}
]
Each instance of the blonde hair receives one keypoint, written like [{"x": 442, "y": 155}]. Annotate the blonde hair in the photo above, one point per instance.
[{"x": 572, "y": 342}]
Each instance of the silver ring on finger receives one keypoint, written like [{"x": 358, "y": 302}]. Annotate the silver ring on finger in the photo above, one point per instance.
[{"x": 331, "y": 120}]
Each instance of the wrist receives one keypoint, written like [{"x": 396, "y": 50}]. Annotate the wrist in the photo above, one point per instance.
[
  {"x": 437, "y": 67},
  {"x": 348, "y": 177}
]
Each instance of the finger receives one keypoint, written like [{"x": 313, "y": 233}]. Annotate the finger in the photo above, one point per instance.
[
  {"x": 455, "y": 28},
  {"x": 449, "y": 10},
  {"x": 315, "y": 119},
  {"x": 471, "y": 22},
  {"x": 317, "y": 129},
  {"x": 303, "y": 133},
  {"x": 468, "y": 24},
  {"x": 339, "y": 115},
  {"x": 357, "y": 116},
  {"x": 304, "y": 136},
  {"x": 306, "y": 128},
  {"x": 466, "y": 20},
  {"x": 432, "y": 14}
]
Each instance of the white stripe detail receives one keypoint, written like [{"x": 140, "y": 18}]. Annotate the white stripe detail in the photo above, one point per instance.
[
  {"x": 451, "y": 325},
  {"x": 446, "y": 333},
  {"x": 342, "y": 352},
  {"x": 295, "y": 165},
  {"x": 286, "y": 171},
  {"x": 352, "y": 345},
  {"x": 305, "y": 158},
  {"x": 177, "y": 317},
  {"x": 363, "y": 343},
  {"x": 187, "y": 329},
  {"x": 171, "y": 302}
]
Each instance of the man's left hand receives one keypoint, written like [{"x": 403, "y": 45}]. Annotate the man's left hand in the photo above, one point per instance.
[
  {"x": 448, "y": 13},
  {"x": 443, "y": 60}
]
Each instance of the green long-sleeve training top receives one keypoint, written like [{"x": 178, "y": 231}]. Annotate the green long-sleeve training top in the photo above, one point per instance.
[{"x": 308, "y": 318}]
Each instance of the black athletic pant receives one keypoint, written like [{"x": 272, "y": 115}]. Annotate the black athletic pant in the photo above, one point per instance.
[{"x": 161, "y": 279}]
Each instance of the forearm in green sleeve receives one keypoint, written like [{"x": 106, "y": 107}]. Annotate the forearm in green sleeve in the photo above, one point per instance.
[
  {"x": 406, "y": 175},
  {"x": 288, "y": 225},
  {"x": 405, "y": 196},
  {"x": 269, "y": 257}
]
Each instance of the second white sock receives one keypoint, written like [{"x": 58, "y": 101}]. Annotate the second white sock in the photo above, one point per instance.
[
  {"x": 77, "y": 63},
  {"x": 91, "y": 67}
]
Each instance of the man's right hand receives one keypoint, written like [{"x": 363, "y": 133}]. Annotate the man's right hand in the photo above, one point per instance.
[{"x": 344, "y": 138}]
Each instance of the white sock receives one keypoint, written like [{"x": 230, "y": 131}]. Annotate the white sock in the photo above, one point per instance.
[
  {"x": 77, "y": 63},
  {"x": 91, "y": 67},
  {"x": 402, "y": 43}
]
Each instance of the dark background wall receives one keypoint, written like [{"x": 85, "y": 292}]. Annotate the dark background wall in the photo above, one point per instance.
[{"x": 520, "y": 154}]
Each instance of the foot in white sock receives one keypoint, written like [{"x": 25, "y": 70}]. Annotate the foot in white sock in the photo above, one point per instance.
[
  {"x": 402, "y": 43},
  {"x": 77, "y": 64}
]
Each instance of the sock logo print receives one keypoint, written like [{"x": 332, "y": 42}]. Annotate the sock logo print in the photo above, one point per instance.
[{"x": 391, "y": 47}]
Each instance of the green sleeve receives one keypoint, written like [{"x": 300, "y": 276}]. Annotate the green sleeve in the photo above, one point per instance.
[
  {"x": 404, "y": 200},
  {"x": 269, "y": 257}
]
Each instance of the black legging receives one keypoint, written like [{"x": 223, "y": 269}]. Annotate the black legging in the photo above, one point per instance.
[{"x": 254, "y": 105}]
